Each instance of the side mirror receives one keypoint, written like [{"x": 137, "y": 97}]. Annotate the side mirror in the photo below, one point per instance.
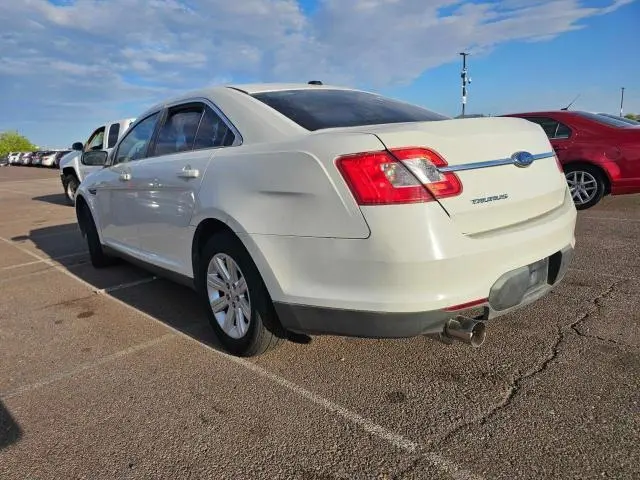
[
  {"x": 77, "y": 146},
  {"x": 94, "y": 158}
]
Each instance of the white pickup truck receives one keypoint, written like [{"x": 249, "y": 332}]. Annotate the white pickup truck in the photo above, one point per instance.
[{"x": 76, "y": 165}]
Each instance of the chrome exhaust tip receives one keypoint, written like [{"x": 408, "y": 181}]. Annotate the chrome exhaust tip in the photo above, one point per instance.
[{"x": 465, "y": 330}]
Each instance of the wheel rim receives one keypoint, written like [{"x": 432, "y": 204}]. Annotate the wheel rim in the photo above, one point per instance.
[
  {"x": 71, "y": 191},
  {"x": 228, "y": 295},
  {"x": 583, "y": 186}
]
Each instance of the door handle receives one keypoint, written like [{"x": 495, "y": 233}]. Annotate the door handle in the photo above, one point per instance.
[
  {"x": 188, "y": 172},
  {"x": 125, "y": 176}
]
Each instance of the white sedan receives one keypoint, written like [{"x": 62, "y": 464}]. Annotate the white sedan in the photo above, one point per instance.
[{"x": 322, "y": 210}]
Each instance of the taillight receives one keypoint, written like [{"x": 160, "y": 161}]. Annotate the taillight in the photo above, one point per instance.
[
  {"x": 424, "y": 164},
  {"x": 405, "y": 175}
]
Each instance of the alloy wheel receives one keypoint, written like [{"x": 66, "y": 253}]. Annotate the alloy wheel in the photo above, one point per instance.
[
  {"x": 228, "y": 295},
  {"x": 582, "y": 185}
]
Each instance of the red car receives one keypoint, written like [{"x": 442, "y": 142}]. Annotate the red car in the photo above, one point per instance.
[{"x": 600, "y": 154}]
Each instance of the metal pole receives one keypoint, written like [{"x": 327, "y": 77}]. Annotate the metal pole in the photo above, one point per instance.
[
  {"x": 464, "y": 80},
  {"x": 621, "y": 100}
]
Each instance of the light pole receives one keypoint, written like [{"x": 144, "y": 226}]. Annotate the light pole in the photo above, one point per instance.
[
  {"x": 463, "y": 75},
  {"x": 621, "y": 99}
]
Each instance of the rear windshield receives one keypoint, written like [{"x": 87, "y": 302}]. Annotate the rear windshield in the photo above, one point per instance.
[
  {"x": 325, "y": 108},
  {"x": 605, "y": 120}
]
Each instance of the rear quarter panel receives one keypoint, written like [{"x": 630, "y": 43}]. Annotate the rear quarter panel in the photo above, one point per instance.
[{"x": 287, "y": 188}]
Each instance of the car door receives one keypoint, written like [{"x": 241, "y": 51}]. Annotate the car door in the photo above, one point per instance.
[
  {"x": 559, "y": 134},
  {"x": 185, "y": 144},
  {"x": 95, "y": 143},
  {"x": 118, "y": 191}
]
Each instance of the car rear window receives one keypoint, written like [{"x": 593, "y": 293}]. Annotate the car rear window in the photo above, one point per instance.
[
  {"x": 612, "y": 122},
  {"x": 326, "y": 108}
]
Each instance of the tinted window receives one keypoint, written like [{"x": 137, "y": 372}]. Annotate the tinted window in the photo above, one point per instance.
[
  {"x": 604, "y": 120},
  {"x": 114, "y": 131},
  {"x": 551, "y": 127},
  {"x": 213, "y": 132},
  {"x": 135, "y": 142},
  {"x": 325, "y": 108},
  {"x": 178, "y": 131}
]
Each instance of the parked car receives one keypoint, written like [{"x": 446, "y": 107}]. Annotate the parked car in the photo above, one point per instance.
[
  {"x": 36, "y": 158},
  {"x": 322, "y": 210},
  {"x": 52, "y": 159},
  {"x": 600, "y": 155},
  {"x": 26, "y": 158},
  {"x": 74, "y": 168},
  {"x": 14, "y": 157},
  {"x": 4, "y": 160}
]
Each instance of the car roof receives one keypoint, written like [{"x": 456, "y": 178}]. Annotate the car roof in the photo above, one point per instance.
[
  {"x": 546, "y": 112},
  {"x": 252, "y": 88},
  {"x": 249, "y": 88}
]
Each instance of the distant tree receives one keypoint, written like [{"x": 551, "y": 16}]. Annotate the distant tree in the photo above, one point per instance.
[
  {"x": 632, "y": 116},
  {"x": 14, "y": 142}
]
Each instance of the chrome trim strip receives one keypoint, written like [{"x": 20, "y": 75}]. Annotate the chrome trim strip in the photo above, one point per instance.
[{"x": 490, "y": 163}]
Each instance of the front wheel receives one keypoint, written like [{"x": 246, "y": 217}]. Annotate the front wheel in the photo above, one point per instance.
[
  {"x": 238, "y": 304},
  {"x": 71, "y": 185},
  {"x": 586, "y": 184}
]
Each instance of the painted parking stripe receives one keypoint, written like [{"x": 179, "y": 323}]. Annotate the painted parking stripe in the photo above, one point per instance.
[{"x": 399, "y": 441}]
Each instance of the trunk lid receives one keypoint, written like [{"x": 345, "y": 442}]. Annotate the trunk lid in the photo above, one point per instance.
[{"x": 494, "y": 196}]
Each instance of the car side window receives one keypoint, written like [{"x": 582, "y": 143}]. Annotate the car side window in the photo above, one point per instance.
[
  {"x": 562, "y": 131},
  {"x": 178, "y": 131},
  {"x": 114, "y": 132},
  {"x": 213, "y": 132},
  {"x": 134, "y": 144},
  {"x": 96, "y": 141},
  {"x": 553, "y": 128}
]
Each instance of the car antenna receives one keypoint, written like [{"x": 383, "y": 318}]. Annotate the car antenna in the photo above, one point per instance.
[{"x": 572, "y": 102}]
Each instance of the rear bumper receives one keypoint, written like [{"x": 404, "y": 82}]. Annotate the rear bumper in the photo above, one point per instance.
[{"x": 510, "y": 292}]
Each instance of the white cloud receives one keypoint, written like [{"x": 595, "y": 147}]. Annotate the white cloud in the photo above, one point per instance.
[{"x": 89, "y": 56}]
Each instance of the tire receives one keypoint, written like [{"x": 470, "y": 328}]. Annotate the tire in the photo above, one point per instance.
[
  {"x": 587, "y": 185},
  {"x": 262, "y": 331},
  {"x": 71, "y": 185},
  {"x": 99, "y": 259}
]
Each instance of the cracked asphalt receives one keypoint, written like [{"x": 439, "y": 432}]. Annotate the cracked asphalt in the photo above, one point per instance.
[{"x": 115, "y": 374}]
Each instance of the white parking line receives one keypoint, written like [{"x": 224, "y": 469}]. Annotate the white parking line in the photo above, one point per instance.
[
  {"x": 86, "y": 366},
  {"x": 126, "y": 285},
  {"x": 35, "y": 262},
  {"x": 20, "y": 265},
  {"x": 397, "y": 440}
]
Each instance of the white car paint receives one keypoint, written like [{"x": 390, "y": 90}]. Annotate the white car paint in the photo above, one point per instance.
[{"x": 280, "y": 191}]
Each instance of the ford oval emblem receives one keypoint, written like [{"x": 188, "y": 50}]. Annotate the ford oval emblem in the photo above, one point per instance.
[{"x": 522, "y": 159}]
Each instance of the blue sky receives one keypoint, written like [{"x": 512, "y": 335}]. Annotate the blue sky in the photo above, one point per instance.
[{"x": 67, "y": 66}]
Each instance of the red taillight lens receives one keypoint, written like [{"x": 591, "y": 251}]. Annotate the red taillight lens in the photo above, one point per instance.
[
  {"x": 405, "y": 175},
  {"x": 466, "y": 305},
  {"x": 377, "y": 178}
]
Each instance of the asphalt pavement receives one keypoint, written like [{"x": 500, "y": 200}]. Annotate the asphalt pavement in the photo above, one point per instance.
[{"x": 115, "y": 374}]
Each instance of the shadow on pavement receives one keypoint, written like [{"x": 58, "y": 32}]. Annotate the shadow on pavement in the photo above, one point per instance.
[
  {"x": 173, "y": 304},
  {"x": 10, "y": 431},
  {"x": 55, "y": 198}
]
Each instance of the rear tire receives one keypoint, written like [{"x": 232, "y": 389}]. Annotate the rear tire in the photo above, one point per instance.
[
  {"x": 228, "y": 280},
  {"x": 70, "y": 184},
  {"x": 99, "y": 259},
  {"x": 586, "y": 183}
]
